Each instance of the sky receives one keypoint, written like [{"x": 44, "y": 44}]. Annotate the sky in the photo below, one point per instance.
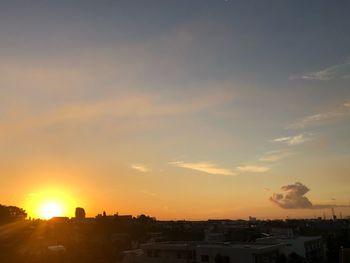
[{"x": 177, "y": 109}]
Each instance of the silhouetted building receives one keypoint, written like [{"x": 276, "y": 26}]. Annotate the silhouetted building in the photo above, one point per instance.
[
  {"x": 79, "y": 213},
  {"x": 184, "y": 252},
  {"x": 210, "y": 236},
  {"x": 252, "y": 219},
  {"x": 59, "y": 219},
  {"x": 344, "y": 256},
  {"x": 284, "y": 232}
]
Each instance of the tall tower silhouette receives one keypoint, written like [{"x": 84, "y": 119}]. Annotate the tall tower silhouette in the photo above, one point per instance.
[{"x": 79, "y": 213}]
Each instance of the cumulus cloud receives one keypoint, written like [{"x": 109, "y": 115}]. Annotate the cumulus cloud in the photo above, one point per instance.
[
  {"x": 273, "y": 156},
  {"x": 340, "y": 71},
  {"x": 139, "y": 167},
  {"x": 253, "y": 169},
  {"x": 294, "y": 198},
  {"x": 293, "y": 140},
  {"x": 205, "y": 167}
]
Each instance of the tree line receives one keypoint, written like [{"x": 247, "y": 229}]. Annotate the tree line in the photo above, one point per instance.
[{"x": 11, "y": 213}]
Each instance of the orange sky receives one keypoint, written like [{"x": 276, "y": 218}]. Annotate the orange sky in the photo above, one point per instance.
[{"x": 179, "y": 110}]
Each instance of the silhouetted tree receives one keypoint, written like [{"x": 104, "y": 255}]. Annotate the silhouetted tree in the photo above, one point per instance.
[
  {"x": 145, "y": 219},
  {"x": 11, "y": 213}
]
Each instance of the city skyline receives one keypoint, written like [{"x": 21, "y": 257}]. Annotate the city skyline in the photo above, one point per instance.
[{"x": 176, "y": 109}]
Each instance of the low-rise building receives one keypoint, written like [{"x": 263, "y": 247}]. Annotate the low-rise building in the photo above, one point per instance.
[
  {"x": 238, "y": 253},
  {"x": 344, "y": 255},
  {"x": 308, "y": 247},
  {"x": 197, "y": 252}
]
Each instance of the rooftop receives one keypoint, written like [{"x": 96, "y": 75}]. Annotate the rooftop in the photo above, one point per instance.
[{"x": 186, "y": 245}]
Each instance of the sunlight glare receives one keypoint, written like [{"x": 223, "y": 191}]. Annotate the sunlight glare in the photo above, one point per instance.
[
  {"x": 51, "y": 209},
  {"x": 51, "y": 202}
]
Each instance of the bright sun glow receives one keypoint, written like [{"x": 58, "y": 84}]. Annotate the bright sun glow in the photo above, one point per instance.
[
  {"x": 50, "y": 203},
  {"x": 50, "y": 209}
]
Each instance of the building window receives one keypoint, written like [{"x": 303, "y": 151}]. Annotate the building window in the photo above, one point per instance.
[{"x": 205, "y": 258}]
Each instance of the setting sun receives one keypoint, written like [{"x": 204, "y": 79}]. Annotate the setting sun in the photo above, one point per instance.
[
  {"x": 50, "y": 203},
  {"x": 50, "y": 209}
]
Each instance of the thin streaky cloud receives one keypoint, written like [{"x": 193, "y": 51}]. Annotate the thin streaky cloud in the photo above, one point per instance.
[
  {"x": 293, "y": 140},
  {"x": 340, "y": 71},
  {"x": 338, "y": 114},
  {"x": 131, "y": 106},
  {"x": 140, "y": 167},
  {"x": 273, "y": 156},
  {"x": 253, "y": 169},
  {"x": 205, "y": 167}
]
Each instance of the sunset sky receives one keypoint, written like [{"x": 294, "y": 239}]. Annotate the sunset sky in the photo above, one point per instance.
[{"x": 186, "y": 109}]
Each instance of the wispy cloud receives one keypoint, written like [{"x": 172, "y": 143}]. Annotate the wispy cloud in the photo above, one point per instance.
[
  {"x": 129, "y": 107},
  {"x": 340, "y": 113},
  {"x": 253, "y": 169},
  {"x": 205, "y": 167},
  {"x": 140, "y": 167},
  {"x": 293, "y": 140},
  {"x": 273, "y": 156},
  {"x": 333, "y": 72},
  {"x": 294, "y": 198}
]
